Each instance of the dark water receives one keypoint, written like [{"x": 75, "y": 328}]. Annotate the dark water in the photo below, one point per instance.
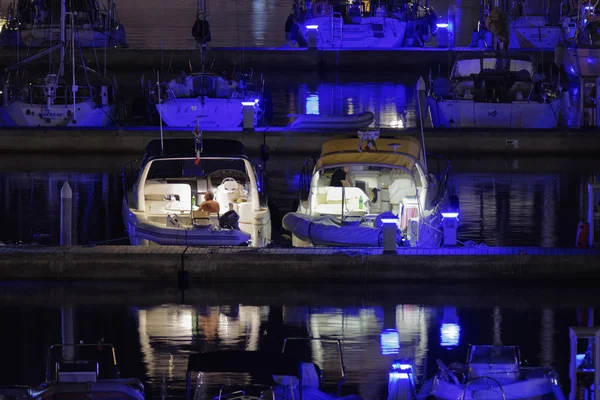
[
  {"x": 154, "y": 330},
  {"x": 504, "y": 202}
]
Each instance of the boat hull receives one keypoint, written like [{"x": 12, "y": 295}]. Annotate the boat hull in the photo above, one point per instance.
[
  {"x": 334, "y": 121},
  {"x": 470, "y": 114},
  {"x": 215, "y": 114},
  {"x": 48, "y": 36},
  {"x": 88, "y": 113},
  {"x": 357, "y": 35},
  {"x": 105, "y": 388},
  {"x": 582, "y": 62},
  {"x": 533, "y": 32},
  {"x": 536, "y": 388}
]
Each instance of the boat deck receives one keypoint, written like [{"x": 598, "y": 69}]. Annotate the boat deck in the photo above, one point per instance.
[{"x": 331, "y": 264}]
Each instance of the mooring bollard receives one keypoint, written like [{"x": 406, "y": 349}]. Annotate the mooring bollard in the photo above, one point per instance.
[{"x": 66, "y": 211}]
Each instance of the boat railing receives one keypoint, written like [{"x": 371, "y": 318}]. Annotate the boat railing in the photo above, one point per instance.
[
  {"x": 306, "y": 174},
  {"x": 463, "y": 396},
  {"x": 129, "y": 173}
]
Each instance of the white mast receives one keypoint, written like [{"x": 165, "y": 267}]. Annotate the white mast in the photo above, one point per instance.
[{"x": 63, "y": 16}]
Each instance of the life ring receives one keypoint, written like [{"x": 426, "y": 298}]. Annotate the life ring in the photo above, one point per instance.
[{"x": 321, "y": 8}]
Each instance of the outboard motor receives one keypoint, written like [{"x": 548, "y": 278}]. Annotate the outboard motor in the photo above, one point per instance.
[{"x": 229, "y": 220}]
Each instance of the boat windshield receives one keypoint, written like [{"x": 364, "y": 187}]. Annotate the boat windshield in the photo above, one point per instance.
[
  {"x": 493, "y": 355},
  {"x": 215, "y": 169},
  {"x": 92, "y": 358},
  {"x": 469, "y": 67}
]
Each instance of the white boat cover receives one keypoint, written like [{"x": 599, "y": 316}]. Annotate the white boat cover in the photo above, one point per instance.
[{"x": 329, "y": 231}]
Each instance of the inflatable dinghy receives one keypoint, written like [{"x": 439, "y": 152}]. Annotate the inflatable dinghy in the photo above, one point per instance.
[
  {"x": 334, "y": 121},
  {"x": 327, "y": 230},
  {"x": 208, "y": 235}
]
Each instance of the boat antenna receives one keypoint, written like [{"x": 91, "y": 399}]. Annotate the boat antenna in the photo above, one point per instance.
[
  {"x": 162, "y": 145},
  {"x": 421, "y": 93}
]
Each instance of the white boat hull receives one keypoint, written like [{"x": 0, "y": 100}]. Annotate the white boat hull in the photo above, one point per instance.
[
  {"x": 536, "y": 388},
  {"x": 357, "y": 35},
  {"x": 334, "y": 121},
  {"x": 215, "y": 114},
  {"x": 533, "y": 32},
  {"x": 582, "y": 62},
  {"x": 470, "y": 114},
  {"x": 46, "y": 36},
  {"x": 87, "y": 113}
]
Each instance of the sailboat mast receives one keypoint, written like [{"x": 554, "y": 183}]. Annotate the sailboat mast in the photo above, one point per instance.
[{"x": 63, "y": 18}]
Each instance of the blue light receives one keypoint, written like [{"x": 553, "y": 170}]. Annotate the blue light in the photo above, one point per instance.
[
  {"x": 450, "y": 215},
  {"x": 312, "y": 104},
  {"x": 449, "y": 335},
  {"x": 389, "y": 220},
  {"x": 248, "y": 103},
  {"x": 390, "y": 342},
  {"x": 442, "y": 25},
  {"x": 312, "y": 26}
]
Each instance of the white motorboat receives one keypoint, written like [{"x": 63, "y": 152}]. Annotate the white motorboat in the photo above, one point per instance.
[
  {"x": 160, "y": 202},
  {"x": 37, "y": 24},
  {"x": 492, "y": 372},
  {"x": 493, "y": 90},
  {"x": 85, "y": 371},
  {"x": 581, "y": 53},
  {"x": 388, "y": 180},
  {"x": 362, "y": 24},
  {"x": 80, "y": 97},
  {"x": 259, "y": 375},
  {"x": 206, "y": 99},
  {"x": 334, "y": 121}
]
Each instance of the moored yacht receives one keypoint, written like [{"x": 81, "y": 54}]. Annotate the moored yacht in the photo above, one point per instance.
[
  {"x": 383, "y": 179},
  {"x": 161, "y": 202},
  {"x": 37, "y": 24},
  {"x": 492, "y": 372},
  {"x": 493, "y": 90},
  {"x": 85, "y": 371}
]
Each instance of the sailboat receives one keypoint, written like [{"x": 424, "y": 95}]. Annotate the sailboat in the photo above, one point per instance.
[
  {"x": 60, "y": 99},
  {"x": 29, "y": 24}
]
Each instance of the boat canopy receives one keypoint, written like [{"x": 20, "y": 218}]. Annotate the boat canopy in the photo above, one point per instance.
[
  {"x": 399, "y": 152},
  {"x": 475, "y": 63}
]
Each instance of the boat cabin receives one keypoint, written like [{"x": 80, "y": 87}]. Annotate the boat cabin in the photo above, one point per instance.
[
  {"x": 489, "y": 77},
  {"x": 390, "y": 177},
  {"x": 173, "y": 182}
]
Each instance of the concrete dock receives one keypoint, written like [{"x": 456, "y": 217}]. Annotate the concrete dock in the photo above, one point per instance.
[
  {"x": 269, "y": 59},
  {"x": 132, "y": 140},
  {"x": 299, "y": 265}
]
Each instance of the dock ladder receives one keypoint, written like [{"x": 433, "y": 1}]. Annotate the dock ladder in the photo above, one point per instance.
[{"x": 337, "y": 28}]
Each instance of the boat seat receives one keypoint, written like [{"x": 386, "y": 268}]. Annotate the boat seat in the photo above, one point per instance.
[
  {"x": 167, "y": 198},
  {"x": 310, "y": 376},
  {"x": 329, "y": 199}
]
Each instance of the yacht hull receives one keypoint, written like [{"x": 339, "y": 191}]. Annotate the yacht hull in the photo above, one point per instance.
[
  {"x": 470, "y": 114},
  {"x": 47, "y": 36},
  {"x": 87, "y": 113},
  {"x": 214, "y": 114},
  {"x": 364, "y": 35},
  {"x": 536, "y": 388}
]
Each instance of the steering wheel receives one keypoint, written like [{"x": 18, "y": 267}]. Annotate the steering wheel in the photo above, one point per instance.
[{"x": 449, "y": 375}]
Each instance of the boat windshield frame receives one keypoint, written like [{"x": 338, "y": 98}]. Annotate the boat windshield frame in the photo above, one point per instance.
[
  {"x": 482, "y": 57},
  {"x": 514, "y": 349}
]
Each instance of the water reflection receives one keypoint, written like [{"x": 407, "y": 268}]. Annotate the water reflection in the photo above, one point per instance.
[{"x": 153, "y": 341}]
